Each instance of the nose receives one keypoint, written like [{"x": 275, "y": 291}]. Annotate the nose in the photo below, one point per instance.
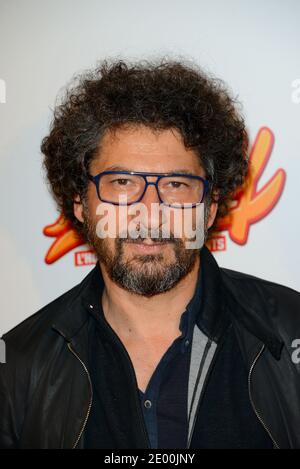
[
  {"x": 150, "y": 216},
  {"x": 150, "y": 195}
]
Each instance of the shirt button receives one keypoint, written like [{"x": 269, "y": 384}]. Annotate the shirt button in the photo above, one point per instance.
[
  {"x": 187, "y": 343},
  {"x": 148, "y": 404}
]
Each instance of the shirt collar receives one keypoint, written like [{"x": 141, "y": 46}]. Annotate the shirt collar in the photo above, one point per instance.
[{"x": 189, "y": 316}]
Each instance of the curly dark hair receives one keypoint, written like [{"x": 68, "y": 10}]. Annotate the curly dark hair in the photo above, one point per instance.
[{"x": 160, "y": 94}]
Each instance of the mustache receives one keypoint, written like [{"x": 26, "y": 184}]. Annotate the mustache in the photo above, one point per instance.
[
  {"x": 156, "y": 236},
  {"x": 154, "y": 240}
]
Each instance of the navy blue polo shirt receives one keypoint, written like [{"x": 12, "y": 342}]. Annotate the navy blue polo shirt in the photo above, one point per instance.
[{"x": 164, "y": 402}]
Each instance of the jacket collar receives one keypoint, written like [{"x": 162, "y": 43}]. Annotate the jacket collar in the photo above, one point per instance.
[
  {"x": 253, "y": 308},
  {"x": 85, "y": 296},
  {"x": 213, "y": 318},
  {"x": 222, "y": 301}
]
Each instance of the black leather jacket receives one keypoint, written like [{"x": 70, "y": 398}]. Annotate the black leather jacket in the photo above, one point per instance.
[{"x": 45, "y": 387}]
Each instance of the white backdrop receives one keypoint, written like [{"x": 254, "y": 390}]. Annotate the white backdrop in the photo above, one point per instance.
[{"x": 253, "y": 45}]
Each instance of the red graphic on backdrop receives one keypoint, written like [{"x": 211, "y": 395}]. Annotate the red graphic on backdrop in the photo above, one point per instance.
[{"x": 249, "y": 206}]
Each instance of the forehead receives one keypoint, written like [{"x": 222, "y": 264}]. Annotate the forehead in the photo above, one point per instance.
[{"x": 143, "y": 149}]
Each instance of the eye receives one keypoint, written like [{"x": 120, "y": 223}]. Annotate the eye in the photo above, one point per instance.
[
  {"x": 120, "y": 182},
  {"x": 178, "y": 184}
]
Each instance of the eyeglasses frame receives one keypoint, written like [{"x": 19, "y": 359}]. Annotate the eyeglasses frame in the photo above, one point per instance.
[{"x": 96, "y": 179}]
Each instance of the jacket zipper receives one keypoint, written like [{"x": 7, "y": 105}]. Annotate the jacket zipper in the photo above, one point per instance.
[
  {"x": 91, "y": 395},
  {"x": 252, "y": 401}
]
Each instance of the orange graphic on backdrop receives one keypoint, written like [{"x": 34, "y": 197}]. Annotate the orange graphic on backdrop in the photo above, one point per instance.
[
  {"x": 66, "y": 239},
  {"x": 251, "y": 205}
]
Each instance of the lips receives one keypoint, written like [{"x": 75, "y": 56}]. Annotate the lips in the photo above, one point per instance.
[
  {"x": 147, "y": 242},
  {"x": 148, "y": 246}
]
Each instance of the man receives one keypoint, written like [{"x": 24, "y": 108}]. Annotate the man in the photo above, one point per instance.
[{"x": 158, "y": 347}]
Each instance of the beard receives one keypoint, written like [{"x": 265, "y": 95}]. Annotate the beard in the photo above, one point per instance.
[{"x": 142, "y": 274}]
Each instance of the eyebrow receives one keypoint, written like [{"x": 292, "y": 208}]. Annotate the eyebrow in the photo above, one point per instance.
[{"x": 122, "y": 168}]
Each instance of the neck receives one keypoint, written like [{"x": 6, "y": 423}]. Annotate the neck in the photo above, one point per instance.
[{"x": 139, "y": 317}]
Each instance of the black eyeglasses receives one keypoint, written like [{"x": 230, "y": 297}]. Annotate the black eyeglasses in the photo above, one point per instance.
[{"x": 173, "y": 189}]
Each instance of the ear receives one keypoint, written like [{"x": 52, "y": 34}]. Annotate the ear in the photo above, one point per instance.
[
  {"x": 212, "y": 214},
  {"x": 78, "y": 209},
  {"x": 213, "y": 211}
]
